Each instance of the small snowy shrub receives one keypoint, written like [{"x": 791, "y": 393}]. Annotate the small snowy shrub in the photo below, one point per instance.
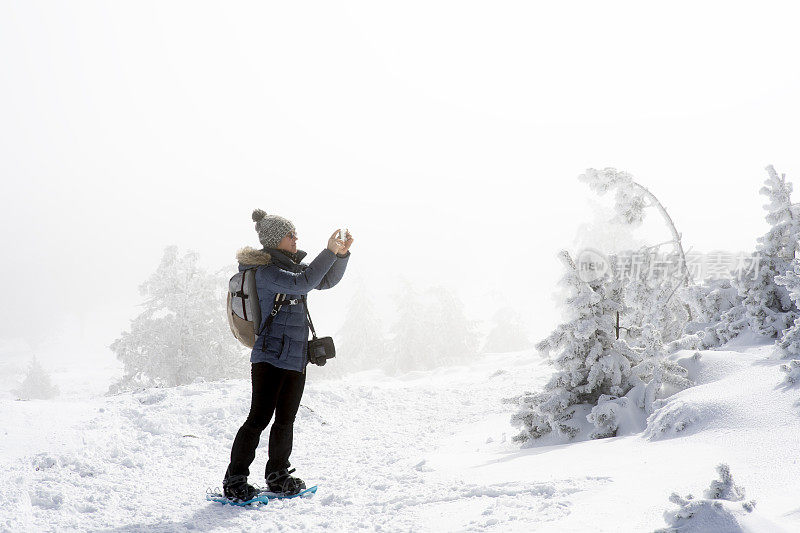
[
  {"x": 607, "y": 415},
  {"x": 37, "y": 384},
  {"x": 590, "y": 363},
  {"x": 732, "y": 322},
  {"x": 708, "y": 301},
  {"x": 717, "y": 315},
  {"x": 655, "y": 372},
  {"x": 724, "y": 488},
  {"x": 671, "y": 419},
  {"x": 792, "y": 371},
  {"x": 719, "y": 510},
  {"x": 182, "y": 335}
]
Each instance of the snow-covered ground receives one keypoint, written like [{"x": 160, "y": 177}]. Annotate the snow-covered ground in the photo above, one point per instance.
[{"x": 430, "y": 451}]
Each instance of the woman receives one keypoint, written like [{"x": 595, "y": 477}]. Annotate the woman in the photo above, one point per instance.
[{"x": 279, "y": 356}]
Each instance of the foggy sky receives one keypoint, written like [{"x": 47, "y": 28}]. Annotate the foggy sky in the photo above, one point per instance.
[{"x": 446, "y": 135}]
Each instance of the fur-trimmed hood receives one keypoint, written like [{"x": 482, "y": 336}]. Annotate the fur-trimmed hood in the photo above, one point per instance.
[{"x": 252, "y": 256}]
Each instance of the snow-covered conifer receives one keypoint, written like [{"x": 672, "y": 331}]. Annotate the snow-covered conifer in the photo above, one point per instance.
[
  {"x": 430, "y": 329},
  {"x": 508, "y": 334},
  {"x": 766, "y": 297},
  {"x": 360, "y": 342},
  {"x": 590, "y": 362},
  {"x": 783, "y": 217},
  {"x": 789, "y": 343},
  {"x": 650, "y": 295},
  {"x": 410, "y": 335},
  {"x": 650, "y": 298},
  {"x": 182, "y": 335},
  {"x": 37, "y": 384},
  {"x": 766, "y": 303},
  {"x": 631, "y": 200},
  {"x": 653, "y": 375},
  {"x": 454, "y": 336}
]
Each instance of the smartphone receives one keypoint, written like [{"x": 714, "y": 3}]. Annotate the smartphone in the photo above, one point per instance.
[{"x": 343, "y": 234}]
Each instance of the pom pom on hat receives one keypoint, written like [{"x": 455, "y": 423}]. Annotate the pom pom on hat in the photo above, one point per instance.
[{"x": 258, "y": 215}]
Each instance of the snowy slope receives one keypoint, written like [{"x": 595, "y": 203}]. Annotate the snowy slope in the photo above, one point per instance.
[
  {"x": 430, "y": 451},
  {"x": 738, "y": 414}
]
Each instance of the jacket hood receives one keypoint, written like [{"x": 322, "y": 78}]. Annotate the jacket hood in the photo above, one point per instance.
[{"x": 254, "y": 257}]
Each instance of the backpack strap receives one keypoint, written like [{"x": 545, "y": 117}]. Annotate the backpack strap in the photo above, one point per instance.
[
  {"x": 276, "y": 306},
  {"x": 243, "y": 296}
]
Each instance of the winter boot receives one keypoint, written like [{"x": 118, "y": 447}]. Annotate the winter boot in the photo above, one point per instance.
[
  {"x": 237, "y": 489},
  {"x": 280, "y": 482}
]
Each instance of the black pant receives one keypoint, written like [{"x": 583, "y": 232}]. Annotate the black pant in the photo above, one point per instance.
[{"x": 278, "y": 391}]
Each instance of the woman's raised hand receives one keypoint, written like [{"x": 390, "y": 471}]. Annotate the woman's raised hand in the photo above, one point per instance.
[{"x": 335, "y": 244}]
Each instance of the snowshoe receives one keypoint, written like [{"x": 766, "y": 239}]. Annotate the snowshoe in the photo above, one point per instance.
[
  {"x": 281, "y": 483},
  {"x": 238, "y": 490}
]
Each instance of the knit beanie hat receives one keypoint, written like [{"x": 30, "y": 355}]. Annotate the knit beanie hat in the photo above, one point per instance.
[{"x": 271, "y": 228}]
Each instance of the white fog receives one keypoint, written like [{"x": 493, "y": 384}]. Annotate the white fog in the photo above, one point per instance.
[{"x": 448, "y": 137}]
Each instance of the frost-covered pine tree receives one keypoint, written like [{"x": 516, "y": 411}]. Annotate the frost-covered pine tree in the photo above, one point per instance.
[
  {"x": 763, "y": 295},
  {"x": 789, "y": 343},
  {"x": 631, "y": 200},
  {"x": 508, "y": 334},
  {"x": 782, "y": 241},
  {"x": 650, "y": 296},
  {"x": 783, "y": 216},
  {"x": 182, "y": 335},
  {"x": 360, "y": 341},
  {"x": 767, "y": 304},
  {"x": 654, "y": 376},
  {"x": 590, "y": 362},
  {"x": 37, "y": 384}
]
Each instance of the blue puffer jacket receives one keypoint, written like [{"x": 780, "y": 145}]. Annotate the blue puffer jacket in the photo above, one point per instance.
[{"x": 285, "y": 344}]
